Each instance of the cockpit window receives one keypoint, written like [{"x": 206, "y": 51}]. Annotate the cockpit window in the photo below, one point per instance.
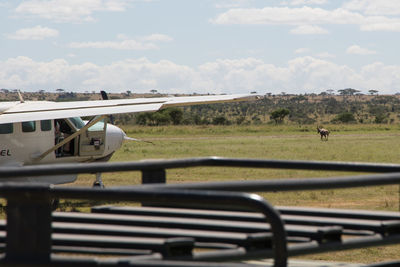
[
  {"x": 6, "y": 128},
  {"x": 99, "y": 126},
  {"x": 78, "y": 122},
  {"x": 28, "y": 126},
  {"x": 45, "y": 125}
]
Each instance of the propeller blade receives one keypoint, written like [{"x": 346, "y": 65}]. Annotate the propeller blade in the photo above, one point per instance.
[
  {"x": 104, "y": 96},
  {"x": 137, "y": 140}
]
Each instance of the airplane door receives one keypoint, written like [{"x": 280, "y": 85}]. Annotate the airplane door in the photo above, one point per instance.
[{"x": 92, "y": 142}]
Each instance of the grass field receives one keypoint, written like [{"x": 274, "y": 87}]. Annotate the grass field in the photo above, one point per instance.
[{"x": 361, "y": 143}]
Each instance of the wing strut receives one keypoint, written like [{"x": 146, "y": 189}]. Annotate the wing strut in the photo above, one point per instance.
[{"x": 72, "y": 136}]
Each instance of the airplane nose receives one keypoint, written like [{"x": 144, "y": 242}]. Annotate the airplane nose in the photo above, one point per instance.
[{"x": 114, "y": 138}]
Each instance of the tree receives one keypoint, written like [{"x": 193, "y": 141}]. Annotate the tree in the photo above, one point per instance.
[
  {"x": 373, "y": 92},
  {"x": 220, "y": 120},
  {"x": 279, "y": 114},
  {"x": 348, "y": 91},
  {"x": 381, "y": 118},
  {"x": 330, "y": 91},
  {"x": 176, "y": 115},
  {"x": 143, "y": 118},
  {"x": 161, "y": 118}
]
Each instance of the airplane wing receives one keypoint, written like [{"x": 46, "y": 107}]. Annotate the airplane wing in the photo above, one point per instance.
[{"x": 11, "y": 112}]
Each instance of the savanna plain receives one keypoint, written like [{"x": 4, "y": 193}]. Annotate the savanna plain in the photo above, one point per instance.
[{"x": 354, "y": 142}]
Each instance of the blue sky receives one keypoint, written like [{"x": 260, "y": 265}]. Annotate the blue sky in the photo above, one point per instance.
[{"x": 204, "y": 46}]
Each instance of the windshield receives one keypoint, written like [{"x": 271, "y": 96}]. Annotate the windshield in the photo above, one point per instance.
[{"x": 99, "y": 126}]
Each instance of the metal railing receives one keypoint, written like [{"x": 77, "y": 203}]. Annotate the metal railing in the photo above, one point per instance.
[{"x": 29, "y": 220}]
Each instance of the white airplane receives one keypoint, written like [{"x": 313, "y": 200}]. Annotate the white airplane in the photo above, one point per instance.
[{"x": 43, "y": 132}]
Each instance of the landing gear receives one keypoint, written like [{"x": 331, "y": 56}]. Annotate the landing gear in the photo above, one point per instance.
[{"x": 98, "y": 183}]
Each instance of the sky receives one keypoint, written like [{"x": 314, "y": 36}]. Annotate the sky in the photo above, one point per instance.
[{"x": 200, "y": 46}]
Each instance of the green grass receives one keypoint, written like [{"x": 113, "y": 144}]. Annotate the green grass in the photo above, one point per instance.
[
  {"x": 264, "y": 129},
  {"x": 359, "y": 143}
]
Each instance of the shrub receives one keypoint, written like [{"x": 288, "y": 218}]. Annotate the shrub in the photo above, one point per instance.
[{"x": 345, "y": 117}]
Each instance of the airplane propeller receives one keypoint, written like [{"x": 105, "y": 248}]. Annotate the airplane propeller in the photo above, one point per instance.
[
  {"x": 127, "y": 138},
  {"x": 104, "y": 96}
]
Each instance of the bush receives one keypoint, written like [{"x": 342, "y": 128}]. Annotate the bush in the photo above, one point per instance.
[
  {"x": 381, "y": 118},
  {"x": 345, "y": 117},
  {"x": 220, "y": 120}
]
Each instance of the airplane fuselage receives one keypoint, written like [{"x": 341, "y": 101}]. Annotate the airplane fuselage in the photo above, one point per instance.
[{"x": 26, "y": 143}]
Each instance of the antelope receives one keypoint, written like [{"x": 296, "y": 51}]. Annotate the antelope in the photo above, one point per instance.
[{"x": 323, "y": 132}]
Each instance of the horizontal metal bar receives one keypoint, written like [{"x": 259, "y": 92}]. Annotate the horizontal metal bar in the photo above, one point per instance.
[
  {"x": 351, "y": 243},
  {"x": 242, "y": 239},
  {"x": 99, "y": 250},
  {"x": 289, "y": 184},
  {"x": 168, "y": 247},
  {"x": 381, "y": 227},
  {"x": 340, "y": 213},
  {"x": 203, "y": 213},
  {"x": 56, "y": 169}
]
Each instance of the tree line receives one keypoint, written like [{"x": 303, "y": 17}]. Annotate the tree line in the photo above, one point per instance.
[
  {"x": 349, "y": 106},
  {"x": 294, "y": 109}
]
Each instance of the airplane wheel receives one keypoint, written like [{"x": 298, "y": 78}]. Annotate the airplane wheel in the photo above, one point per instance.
[{"x": 98, "y": 184}]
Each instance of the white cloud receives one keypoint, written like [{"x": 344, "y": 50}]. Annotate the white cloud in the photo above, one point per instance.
[
  {"x": 325, "y": 55},
  {"x": 122, "y": 36},
  {"x": 287, "y": 16},
  {"x": 301, "y": 74},
  {"x": 142, "y": 43},
  {"x": 122, "y": 45},
  {"x": 374, "y": 7},
  {"x": 301, "y": 50},
  {"x": 35, "y": 33},
  {"x": 380, "y": 24},
  {"x": 68, "y": 11},
  {"x": 357, "y": 50},
  {"x": 308, "y": 29},
  {"x": 306, "y": 16},
  {"x": 308, "y": 2},
  {"x": 232, "y": 3},
  {"x": 157, "y": 38}
]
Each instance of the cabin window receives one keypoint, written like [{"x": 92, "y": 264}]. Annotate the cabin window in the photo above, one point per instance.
[
  {"x": 28, "y": 126},
  {"x": 6, "y": 128},
  {"x": 45, "y": 125}
]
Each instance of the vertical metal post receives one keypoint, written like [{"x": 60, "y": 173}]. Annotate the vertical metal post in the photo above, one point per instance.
[
  {"x": 28, "y": 228},
  {"x": 154, "y": 176}
]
